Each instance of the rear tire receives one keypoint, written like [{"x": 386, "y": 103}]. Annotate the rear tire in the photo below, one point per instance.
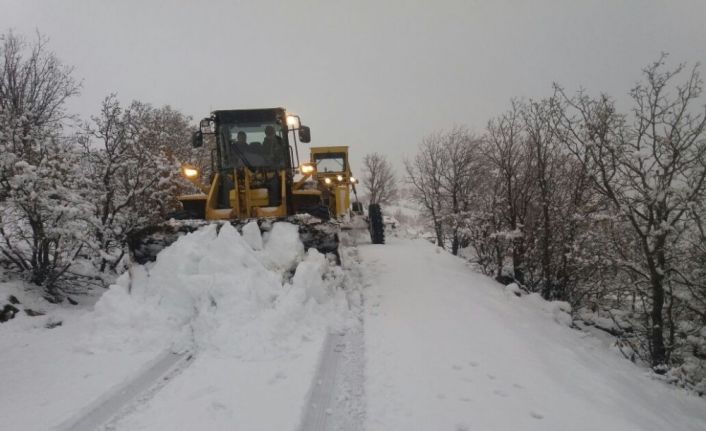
[{"x": 375, "y": 224}]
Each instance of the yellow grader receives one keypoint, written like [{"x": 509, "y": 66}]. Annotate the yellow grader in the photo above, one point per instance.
[{"x": 256, "y": 174}]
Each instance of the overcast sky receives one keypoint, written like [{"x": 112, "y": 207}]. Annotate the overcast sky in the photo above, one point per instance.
[{"x": 374, "y": 75}]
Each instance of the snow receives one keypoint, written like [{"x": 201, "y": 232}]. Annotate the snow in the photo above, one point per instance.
[
  {"x": 449, "y": 349},
  {"x": 255, "y": 335},
  {"x": 439, "y": 346},
  {"x": 283, "y": 245},
  {"x": 46, "y": 374},
  {"x": 251, "y": 235}
]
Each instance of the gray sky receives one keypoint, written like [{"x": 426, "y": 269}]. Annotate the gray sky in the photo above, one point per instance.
[{"x": 374, "y": 75}]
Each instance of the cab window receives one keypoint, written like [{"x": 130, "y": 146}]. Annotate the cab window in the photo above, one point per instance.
[{"x": 330, "y": 162}]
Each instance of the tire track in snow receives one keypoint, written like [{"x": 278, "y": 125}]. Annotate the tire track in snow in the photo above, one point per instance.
[
  {"x": 120, "y": 400},
  {"x": 336, "y": 399}
]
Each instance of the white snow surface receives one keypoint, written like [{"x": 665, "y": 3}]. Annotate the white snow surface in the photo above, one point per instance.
[
  {"x": 444, "y": 348},
  {"x": 255, "y": 335},
  {"x": 450, "y": 349}
]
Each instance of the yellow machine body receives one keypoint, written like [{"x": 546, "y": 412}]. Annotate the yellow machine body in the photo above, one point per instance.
[{"x": 331, "y": 177}]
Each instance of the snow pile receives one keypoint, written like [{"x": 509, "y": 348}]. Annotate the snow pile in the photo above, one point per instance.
[
  {"x": 282, "y": 246},
  {"x": 222, "y": 291}
]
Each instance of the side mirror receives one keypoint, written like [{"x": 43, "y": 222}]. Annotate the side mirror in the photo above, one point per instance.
[
  {"x": 207, "y": 125},
  {"x": 305, "y": 134},
  {"x": 197, "y": 139}
]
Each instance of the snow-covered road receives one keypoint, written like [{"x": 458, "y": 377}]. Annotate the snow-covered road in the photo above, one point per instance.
[
  {"x": 432, "y": 345},
  {"x": 450, "y": 349}
]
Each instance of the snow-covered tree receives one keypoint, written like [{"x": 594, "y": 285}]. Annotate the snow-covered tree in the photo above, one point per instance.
[
  {"x": 442, "y": 177},
  {"x": 508, "y": 162},
  {"x": 132, "y": 158},
  {"x": 651, "y": 166},
  {"x": 40, "y": 209}
]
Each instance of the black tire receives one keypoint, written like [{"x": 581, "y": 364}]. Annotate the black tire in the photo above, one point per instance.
[{"x": 375, "y": 224}]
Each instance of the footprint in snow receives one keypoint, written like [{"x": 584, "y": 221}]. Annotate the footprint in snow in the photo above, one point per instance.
[
  {"x": 218, "y": 406},
  {"x": 500, "y": 393},
  {"x": 536, "y": 415},
  {"x": 221, "y": 409},
  {"x": 457, "y": 367},
  {"x": 518, "y": 386},
  {"x": 465, "y": 399},
  {"x": 473, "y": 363},
  {"x": 491, "y": 377}
]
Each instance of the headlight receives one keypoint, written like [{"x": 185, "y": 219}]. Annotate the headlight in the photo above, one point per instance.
[
  {"x": 339, "y": 177},
  {"x": 307, "y": 168},
  {"x": 353, "y": 180},
  {"x": 293, "y": 122},
  {"x": 327, "y": 180},
  {"x": 190, "y": 172}
]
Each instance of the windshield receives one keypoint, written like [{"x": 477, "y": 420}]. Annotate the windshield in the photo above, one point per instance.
[
  {"x": 330, "y": 162},
  {"x": 254, "y": 145}
]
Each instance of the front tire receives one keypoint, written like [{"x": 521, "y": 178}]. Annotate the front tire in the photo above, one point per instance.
[{"x": 375, "y": 224}]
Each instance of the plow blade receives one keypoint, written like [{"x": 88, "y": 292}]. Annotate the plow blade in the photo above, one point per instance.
[{"x": 145, "y": 244}]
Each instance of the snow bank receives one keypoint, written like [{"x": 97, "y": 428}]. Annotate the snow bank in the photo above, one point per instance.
[
  {"x": 254, "y": 310},
  {"x": 220, "y": 290}
]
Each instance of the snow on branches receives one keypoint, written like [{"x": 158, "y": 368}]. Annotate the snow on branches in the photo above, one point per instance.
[{"x": 67, "y": 198}]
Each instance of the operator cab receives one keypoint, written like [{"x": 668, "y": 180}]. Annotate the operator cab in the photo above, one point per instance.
[
  {"x": 252, "y": 160},
  {"x": 330, "y": 162},
  {"x": 256, "y": 139}
]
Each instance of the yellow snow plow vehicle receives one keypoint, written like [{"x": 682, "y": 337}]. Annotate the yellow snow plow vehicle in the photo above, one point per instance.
[{"x": 256, "y": 174}]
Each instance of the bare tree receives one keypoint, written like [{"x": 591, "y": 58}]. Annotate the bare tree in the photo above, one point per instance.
[
  {"x": 34, "y": 87},
  {"x": 509, "y": 157},
  {"x": 443, "y": 178},
  {"x": 458, "y": 181},
  {"x": 424, "y": 176},
  {"x": 379, "y": 178},
  {"x": 653, "y": 171}
]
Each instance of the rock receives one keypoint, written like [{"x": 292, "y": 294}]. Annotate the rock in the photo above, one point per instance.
[
  {"x": 33, "y": 313},
  {"x": 8, "y": 312},
  {"x": 51, "y": 324}
]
